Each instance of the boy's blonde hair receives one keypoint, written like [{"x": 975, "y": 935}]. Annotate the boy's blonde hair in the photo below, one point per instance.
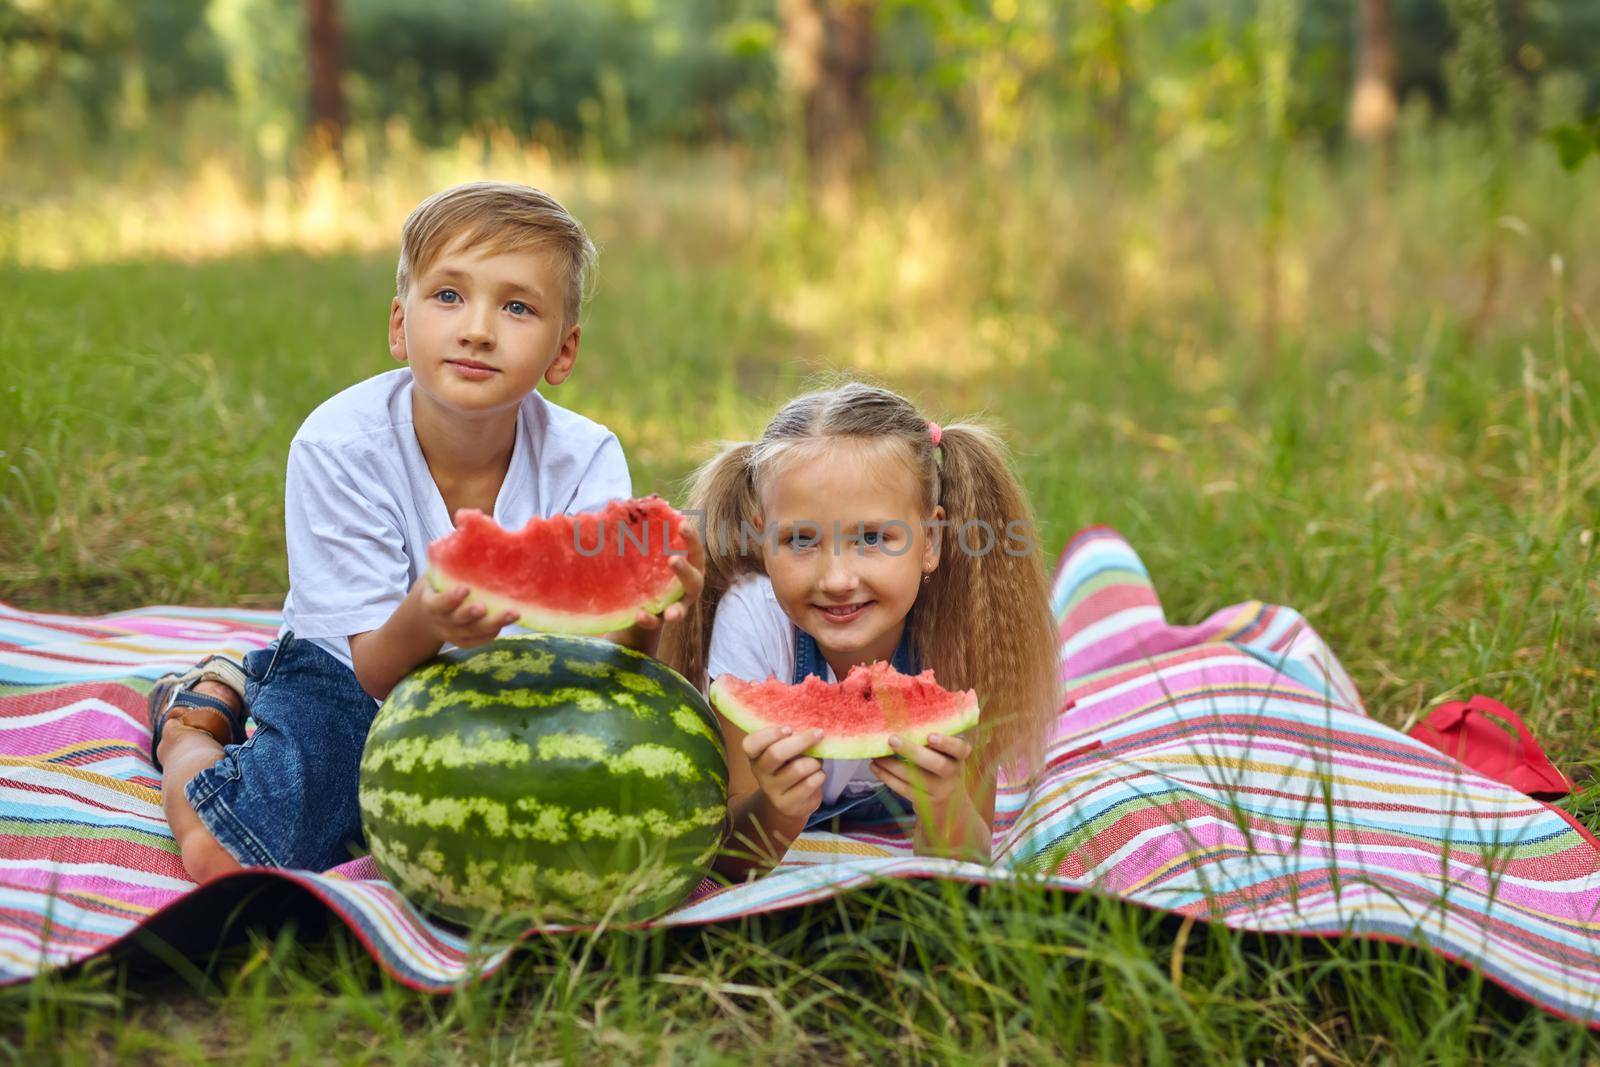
[
  {"x": 498, "y": 217},
  {"x": 983, "y": 619}
]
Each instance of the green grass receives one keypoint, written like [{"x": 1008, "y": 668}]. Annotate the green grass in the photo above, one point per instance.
[
  {"x": 902, "y": 971},
  {"x": 1427, "y": 499}
]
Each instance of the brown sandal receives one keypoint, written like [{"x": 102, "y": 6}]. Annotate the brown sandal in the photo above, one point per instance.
[{"x": 173, "y": 697}]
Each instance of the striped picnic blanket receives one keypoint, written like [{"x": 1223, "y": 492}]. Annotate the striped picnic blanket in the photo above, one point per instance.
[{"x": 1225, "y": 771}]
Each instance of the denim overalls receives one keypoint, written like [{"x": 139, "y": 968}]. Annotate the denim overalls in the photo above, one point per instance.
[{"x": 881, "y": 804}]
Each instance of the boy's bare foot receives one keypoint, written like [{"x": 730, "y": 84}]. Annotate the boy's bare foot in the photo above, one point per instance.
[
  {"x": 192, "y": 715},
  {"x": 186, "y": 751}
]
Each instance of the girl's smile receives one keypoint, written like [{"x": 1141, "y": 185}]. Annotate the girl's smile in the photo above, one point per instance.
[{"x": 843, "y": 614}]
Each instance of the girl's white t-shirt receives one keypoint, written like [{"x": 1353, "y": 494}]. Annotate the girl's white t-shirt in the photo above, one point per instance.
[
  {"x": 361, "y": 505},
  {"x": 753, "y": 639}
]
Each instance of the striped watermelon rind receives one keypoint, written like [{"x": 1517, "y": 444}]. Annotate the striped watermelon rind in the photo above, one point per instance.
[
  {"x": 538, "y": 574},
  {"x": 532, "y": 617},
  {"x": 542, "y": 779},
  {"x": 857, "y": 716}
]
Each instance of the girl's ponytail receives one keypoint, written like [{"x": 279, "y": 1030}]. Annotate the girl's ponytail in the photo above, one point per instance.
[
  {"x": 985, "y": 619},
  {"x": 724, "y": 505}
]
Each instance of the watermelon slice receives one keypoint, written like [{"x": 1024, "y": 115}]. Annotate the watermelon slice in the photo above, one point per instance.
[
  {"x": 571, "y": 574},
  {"x": 856, "y": 716}
]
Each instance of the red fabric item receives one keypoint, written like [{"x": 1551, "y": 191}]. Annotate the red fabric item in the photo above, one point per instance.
[{"x": 1475, "y": 732}]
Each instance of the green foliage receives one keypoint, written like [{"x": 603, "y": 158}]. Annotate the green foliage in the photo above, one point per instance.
[
  {"x": 263, "y": 43},
  {"x": 617, "y": 76},
  {"x": 105, "y": 64},
  {"x": 51, "y": 49},
  {"x": 1574, "y": 142},
  {"x": 1475, "y": 71},
  {"x": 562, "y": 69}
]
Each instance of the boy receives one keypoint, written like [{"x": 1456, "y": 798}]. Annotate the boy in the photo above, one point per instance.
[{"x": 489, "y": 287}]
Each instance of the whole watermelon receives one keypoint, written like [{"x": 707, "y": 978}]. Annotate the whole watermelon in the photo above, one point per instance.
[{"x": 544, "y": 778}]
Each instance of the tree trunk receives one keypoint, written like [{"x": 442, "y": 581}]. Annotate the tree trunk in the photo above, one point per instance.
[
  {"x": 1115, "y": 100},
  {"x": 326, "y": 46},
  {"x": 1373, "y": 111},
  {"x": 1373, "y": 104},
  {"x": 828, "y": 49}
]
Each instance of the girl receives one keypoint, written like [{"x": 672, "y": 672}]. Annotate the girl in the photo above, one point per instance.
[{"x": 856, "y": 530}]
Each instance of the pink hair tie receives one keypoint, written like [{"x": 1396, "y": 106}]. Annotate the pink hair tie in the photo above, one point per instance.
[{"x": 935, "y": 432}]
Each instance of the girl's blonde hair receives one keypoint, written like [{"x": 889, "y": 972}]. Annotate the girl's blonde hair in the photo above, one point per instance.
[{"x": 983, "y": 619}]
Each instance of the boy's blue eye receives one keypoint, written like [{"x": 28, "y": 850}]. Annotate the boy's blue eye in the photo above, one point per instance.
[
  {"x": 517, "y": 307},
  {"x": 448, "y": 296},
  {"x": 872, "y": 537},
  {"x": 800, "y": 540}
]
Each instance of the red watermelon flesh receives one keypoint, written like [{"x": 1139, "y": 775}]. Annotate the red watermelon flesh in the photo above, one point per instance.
[
  {"x": 856, "y": 716},
  {"x": 576, "y": 574}
]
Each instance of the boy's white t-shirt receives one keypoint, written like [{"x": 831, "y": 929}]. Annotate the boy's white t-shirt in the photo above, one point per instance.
[
  {"x": 753, "y": 639},
  {"x": 361, "y": 504}
]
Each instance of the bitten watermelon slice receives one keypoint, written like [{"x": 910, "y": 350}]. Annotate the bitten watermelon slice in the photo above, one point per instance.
[
  {"x": 572, "y": 574},
  {"x": 856, "y": 716}
]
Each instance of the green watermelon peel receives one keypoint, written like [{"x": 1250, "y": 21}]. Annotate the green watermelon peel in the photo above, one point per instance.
[
  {"x": 571, "y": 574},
  {"x": 857, "y": 716}
]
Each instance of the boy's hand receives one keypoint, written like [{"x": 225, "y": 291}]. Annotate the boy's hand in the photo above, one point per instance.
[
  {"x": 927, "y": 775},
  {"x": 645, "y": 633},
  {"x": 453, "y": 621},
  {"x": 790, "y": 780},
  {"x": 425, "y": 620}
]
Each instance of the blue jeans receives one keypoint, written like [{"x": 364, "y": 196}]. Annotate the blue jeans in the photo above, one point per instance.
[
  {"x": 880, "y": 805},
  {"x": 287, "y": 796}
]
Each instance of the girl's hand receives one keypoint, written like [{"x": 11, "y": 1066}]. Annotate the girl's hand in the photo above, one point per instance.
[
  {"x": 450, "y": 619},
  {"x": 790, "y": 780},
  {"x": 691, "y": 571},
  {"x": 933, "y": 774}
]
